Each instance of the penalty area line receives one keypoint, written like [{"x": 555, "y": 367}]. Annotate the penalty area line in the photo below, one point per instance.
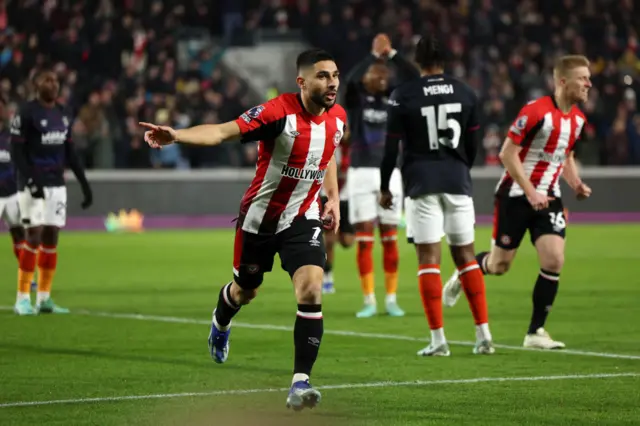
[
  {"x": 347, "y": 333},
  {"x": 388, "y": 384}
]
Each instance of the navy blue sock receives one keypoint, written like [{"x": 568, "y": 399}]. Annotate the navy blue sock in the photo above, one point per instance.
[{"x": 544, "y": 293}]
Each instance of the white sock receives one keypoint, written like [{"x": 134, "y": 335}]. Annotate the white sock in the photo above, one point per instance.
[
  {"x": 370, "y": 299},
  {"x": 328, "y": 277},
  {"x": 437, "y": 337},
  {"x": 218, "y": 326},
  {"x": 23, "y": 296},
  {"x": 482, "y": 332},
  {"x": 299, "y": 377},
  {"x": 42, "y": 296},
  {"x": 391, "y": 298}
]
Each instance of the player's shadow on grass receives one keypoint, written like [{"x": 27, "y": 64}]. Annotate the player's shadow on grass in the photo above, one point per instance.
[{"x": 245, "y": 366}]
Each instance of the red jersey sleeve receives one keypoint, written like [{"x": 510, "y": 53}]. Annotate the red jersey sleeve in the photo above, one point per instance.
[
  {"x": 262, "y": 122},
  {"x": 526, "y": 124}
]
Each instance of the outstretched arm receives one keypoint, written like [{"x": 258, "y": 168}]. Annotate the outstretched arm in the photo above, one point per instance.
[
  {"x": 205, "y": 134},
  {"x": 261, "y": 122}
]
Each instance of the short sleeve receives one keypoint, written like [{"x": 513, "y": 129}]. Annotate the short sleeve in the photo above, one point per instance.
[
  {"x": 262, "y": 122},
  {"x": 580, "y": 125},
  {"x": 526, "y": 123}
]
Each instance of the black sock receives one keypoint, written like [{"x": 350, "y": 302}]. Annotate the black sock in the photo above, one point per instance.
[
  {"x": 226, "y": 308},
  {"x": 481, "y": 259},
  {"x": 307, "y": 335},
  {"x": 327, "y": 267},
  {"x": 544, "y": 293}
]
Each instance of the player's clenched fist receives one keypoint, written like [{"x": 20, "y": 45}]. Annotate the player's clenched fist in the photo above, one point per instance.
[
  {"x": 158, "y": 136},
  {"x": 583, "y": 191},
  {"x": 538, "y": 201}
]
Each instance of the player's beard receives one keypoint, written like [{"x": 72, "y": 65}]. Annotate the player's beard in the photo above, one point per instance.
[{"x": 318, "y": 98}]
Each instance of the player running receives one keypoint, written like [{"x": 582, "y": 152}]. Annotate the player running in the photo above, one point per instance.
[
  {"x": 366, "y": 102},
  {"x": 436, "y": 119},
  {"x": 41, "y": 146},
  {"x": 346, "y": 233},
  {"x": 537, "y": 151},
  {"x": 280, "y": 212},
  {"x": 9, "y": 210}
]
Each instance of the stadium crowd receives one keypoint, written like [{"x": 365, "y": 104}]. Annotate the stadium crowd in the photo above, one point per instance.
[{"x": 118, "y": 63}]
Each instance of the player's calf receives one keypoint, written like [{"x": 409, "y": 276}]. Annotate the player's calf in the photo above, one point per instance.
[
  {"x": 307, "y": 335},
  {"x": 364, "y": 253},
  {"x": 551, "y": 254},
  {"x": 389, "y": 237},
  {"x": 472, "y": 283},
  {"x": 230, "y": 299}
]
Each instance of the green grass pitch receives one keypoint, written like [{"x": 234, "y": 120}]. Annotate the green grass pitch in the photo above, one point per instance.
[{"x": 369, "y": 367}]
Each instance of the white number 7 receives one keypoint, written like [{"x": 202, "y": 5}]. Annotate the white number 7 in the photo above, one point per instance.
[{"x": 316, "y": 233}]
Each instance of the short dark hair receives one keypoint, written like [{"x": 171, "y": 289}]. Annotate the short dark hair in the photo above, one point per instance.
[
  {"x": 40, "y": 71},
  {"x": 311, "y": 57},
  {"x": 430, "y": 52}
]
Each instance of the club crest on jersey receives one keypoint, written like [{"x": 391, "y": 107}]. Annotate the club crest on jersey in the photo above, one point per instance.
[
  {"x": 5, "y": 156},
  {"x": 337, "y": 138},
  {"x": 65, "y": 121}
]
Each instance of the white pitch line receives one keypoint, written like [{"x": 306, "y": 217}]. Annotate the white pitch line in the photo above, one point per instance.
[
  {"x": 272, "y": 327},
  {"x": 328, "y": 387}
]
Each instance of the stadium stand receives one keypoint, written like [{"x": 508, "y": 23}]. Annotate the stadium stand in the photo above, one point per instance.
[{"x": 121, "y": 61}]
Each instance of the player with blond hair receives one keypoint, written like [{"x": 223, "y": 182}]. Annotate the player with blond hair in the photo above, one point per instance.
[{"x": 539, "y": 148}]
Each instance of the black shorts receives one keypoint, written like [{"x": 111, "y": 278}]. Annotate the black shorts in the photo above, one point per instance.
[
  {"x": 299, "y": 245},
  {"x": 513, "y": 216},
  {"x": 345, "y": 226}
]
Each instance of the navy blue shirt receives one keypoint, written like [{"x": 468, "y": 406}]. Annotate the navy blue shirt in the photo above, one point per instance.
[
  {"x": 8, "y": 185},
  {"x": 436, "y": 118},
  {"x": 43, "y": 135},
  {"x": 367, "y": 112}
]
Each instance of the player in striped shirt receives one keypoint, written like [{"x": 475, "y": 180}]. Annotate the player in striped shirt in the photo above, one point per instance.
[
  {"x": 538, "y": 150},
  {"x": 280, "y": 212}
]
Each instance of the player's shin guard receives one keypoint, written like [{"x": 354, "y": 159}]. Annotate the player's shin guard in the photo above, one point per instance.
[
  {"x": 544, "y": 294},
  {"x": 307, "y": 335},
  {"x": 365, "y": 265},
  {"x": 47, "y": 262},
  {"x": 472, "y": 282},
  {"x": 26, "y": 270},
  {"x": 482, "y": 259},
  {"x": 226, "y": 308},
  {"x": 390, "y": 262},
  {"x": 431, "y": 294}
]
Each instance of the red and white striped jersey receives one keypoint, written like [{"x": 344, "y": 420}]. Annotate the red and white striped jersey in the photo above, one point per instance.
[
  {"x": 547, "y": 136},
  {"x": 294, "y": 150}
]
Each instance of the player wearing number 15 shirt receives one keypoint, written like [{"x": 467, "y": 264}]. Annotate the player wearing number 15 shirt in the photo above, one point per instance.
[{"x": 436, "y": 119}]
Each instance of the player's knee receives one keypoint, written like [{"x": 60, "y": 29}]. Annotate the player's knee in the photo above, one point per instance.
[
  {"x": 347, "y": 240},
  {"x": 553, "y": 263},
  {"x": 50, "y": 235},
  {"x": 307, "y": 281}
]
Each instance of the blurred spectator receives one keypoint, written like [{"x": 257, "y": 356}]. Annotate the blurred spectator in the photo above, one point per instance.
[{"x": 118, "y": 63}]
